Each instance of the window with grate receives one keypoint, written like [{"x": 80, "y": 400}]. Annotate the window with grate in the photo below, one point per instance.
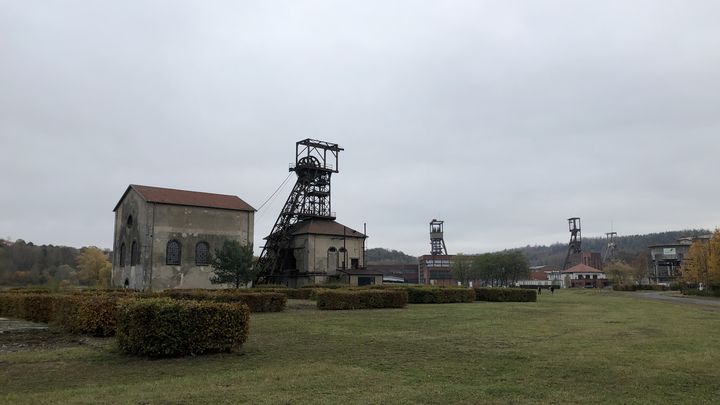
[
  {"x": 134, "y": 254},
  {"x": 172, "y": 255},
  {"x": 202, "y": 254},
  {"x": 122, "y": 255}
]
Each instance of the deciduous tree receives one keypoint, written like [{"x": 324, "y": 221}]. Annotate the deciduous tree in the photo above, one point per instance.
[
  {"x": 233, "y": 264},
  {"x": 92, "y": 263},
  {"x": 462, "y": 268}
]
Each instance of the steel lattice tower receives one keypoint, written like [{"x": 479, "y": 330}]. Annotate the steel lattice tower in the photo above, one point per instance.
[
  {"x": 315, "y": 162},
  {"x": 610, "y": 248},
  {"x": 574, "y": 247},
  {"x": 437, "y": 243}
]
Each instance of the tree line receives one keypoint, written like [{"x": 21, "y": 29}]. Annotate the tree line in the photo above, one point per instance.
[
  {"x": 24, "y": 263},
  {"x": 491, "y": 269}
]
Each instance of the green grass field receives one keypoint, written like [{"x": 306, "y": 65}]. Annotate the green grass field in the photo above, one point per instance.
[{"x": 573, "y": 347}]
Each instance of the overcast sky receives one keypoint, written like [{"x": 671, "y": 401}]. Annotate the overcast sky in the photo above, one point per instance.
[{"x": 503, "y": 118}]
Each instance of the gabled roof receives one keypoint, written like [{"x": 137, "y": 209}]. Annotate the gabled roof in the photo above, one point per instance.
[
  {"x": 173, "y": 196},
  {"x": 324, "y": 227},
  {"x": 582, "y": 268},
  {"x": 538, "y": 275}
]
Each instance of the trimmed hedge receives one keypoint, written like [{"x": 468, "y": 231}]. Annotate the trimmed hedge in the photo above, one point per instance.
[
  {"x": 84, "y": 314},
  {"x": 708, "y": 292},
  {"x": 163, "y": 327},
  {"x": 360, "y": 299},
  {"x": 642, "y": 287},
  {"x": 291, "y": 293},
  {"x": 256, "y": 301},
  {"x": 35, "y": 307},
  {"x": 438, "y": 295},
  {"x": 87, "y": 314},
  {"x": 505, "y": 294}
]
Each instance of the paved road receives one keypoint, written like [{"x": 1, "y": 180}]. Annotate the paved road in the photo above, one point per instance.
[{"x": 672, "y": 296}]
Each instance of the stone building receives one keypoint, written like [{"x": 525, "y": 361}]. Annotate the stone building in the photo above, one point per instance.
[
  {"x": 163, "y": 236},
  {"x": 325, "y": 251}
]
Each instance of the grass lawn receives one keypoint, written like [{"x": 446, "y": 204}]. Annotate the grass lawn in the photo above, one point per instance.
[{"x": 575, "y": 346}]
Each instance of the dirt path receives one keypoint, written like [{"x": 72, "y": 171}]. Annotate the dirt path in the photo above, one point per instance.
[
  {"x": 671, "y": 296},
  {"x": 11, "y": 325}
]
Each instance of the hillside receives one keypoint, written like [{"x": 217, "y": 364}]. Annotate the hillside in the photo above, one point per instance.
[
  {"x": 628, "y": 246},
  {"x": 386, "y": 256},
  {"x": 23, "y": 263}
]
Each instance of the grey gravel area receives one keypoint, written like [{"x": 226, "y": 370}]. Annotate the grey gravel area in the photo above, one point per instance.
[{"x": 9, "y": 325}]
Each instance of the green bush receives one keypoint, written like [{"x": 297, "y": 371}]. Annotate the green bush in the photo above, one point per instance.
[
  {"x": 360, "y": 299},
  {"x": 438, "y": 295},
  {"x": 291, "y": 293},
  {"x": 505, "y": 294},
  {"x": 256, "y": 301},
  {"x": 163, "y": 327},
  {"x": 87, "y": 314},
  {"x": 29, "y": 306},
  {"x": 708, "y": 292},
  {"x": 84, "y": 314}
]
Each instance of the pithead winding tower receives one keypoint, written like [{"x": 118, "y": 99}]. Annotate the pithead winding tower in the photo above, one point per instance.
[
  {"x": 575, "y": 245},
  {"x": 315, "y": 162},
  {"x": 437, "y": 242}
]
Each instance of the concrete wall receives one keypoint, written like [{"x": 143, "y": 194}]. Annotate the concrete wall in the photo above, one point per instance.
[
  {"x": 312, "y": 253},
  {"x": 154, "y": 225},
  {"x": 190, "y": 225},
  {"x": 138, "y": 276}
]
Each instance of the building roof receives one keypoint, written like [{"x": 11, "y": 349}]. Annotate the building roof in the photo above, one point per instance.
[
  {"x": 320, "y": 226},
  {"x": 538, "y": 275},
  {"x": 582, "y": 268},
  {"x": 172, "y": 196}
]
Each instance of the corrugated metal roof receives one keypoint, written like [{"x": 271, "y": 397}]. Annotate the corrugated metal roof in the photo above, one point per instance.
[{"x": 160, "y": 195}]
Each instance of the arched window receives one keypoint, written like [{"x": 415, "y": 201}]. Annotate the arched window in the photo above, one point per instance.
[
  {"x": 130, "y": 221},
  {"x": 202, "y": 254},
  {"x": 332, "y": 260},
  {"x": 122, "y": 255},
  {"x": 134, "y": 254},
  {"x": 172, "y": 254}
]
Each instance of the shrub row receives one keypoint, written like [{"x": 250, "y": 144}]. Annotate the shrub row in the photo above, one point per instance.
[
  {"x": 163, "y": 327},
  {"x": 360, "y": 299},
  {"x": 505, "y": 294},
  {"x": 291, "y": 293},
  {"x": 708, "y": 292},
  {"x": 256, "y": 301},
  {"x": 438, "y": 295},
  {"x": 93, "y": 315},
  {"x": 643, "y": 287}
]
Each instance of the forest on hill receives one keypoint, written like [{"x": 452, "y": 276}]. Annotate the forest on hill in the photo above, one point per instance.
[
  {"x": 387, "y": 256},
  {"x": 24, "y": 263},
  {"x": 628, "y": 247}
]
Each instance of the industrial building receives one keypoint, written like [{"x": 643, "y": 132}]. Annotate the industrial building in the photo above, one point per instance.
[
  {"x": 307, "y": 245},
  {"x": 666, "y": 260},
  {"x": 163, "y": 237}
]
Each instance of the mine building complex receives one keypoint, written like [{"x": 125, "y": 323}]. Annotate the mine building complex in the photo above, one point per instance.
[
  {"x": 306, "y": 245},
  {"x": 163, "y": 237}
]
